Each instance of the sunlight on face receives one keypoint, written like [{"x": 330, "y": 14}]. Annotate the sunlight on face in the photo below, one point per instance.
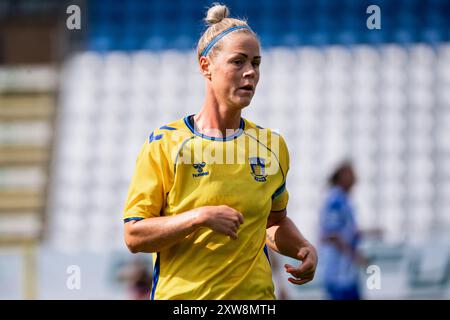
[{"x": 235, "y": 70}]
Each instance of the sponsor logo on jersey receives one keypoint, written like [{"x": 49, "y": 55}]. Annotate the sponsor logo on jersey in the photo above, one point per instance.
[
  {"x": 257, "y": 165},
  {"x": 199, "y": 167}
]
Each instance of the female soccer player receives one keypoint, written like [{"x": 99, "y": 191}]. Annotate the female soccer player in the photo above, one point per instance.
[
  {"x": 340, "y": 237},
  {"x": 209, "y": 191}
]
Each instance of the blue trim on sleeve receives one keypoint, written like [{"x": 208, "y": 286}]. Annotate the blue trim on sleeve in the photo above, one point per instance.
[
  {"x": 267, "y": 253},
  {"x": 132, "y": 219},
  {"x": 167, "y": 128},
  {"x": 152, "y": 137},
  {"x": 155, "y": 276},
  {"x": 279, "y": 191}
]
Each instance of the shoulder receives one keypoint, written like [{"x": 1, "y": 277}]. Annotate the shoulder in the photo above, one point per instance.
[
  {"x": 169, "y": 135},
  {"x": 173, "y": 130},
  {"x": 166, "y": 138}
]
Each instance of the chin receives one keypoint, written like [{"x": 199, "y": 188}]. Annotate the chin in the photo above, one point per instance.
[
  {"x": 242, "y": 103},
  {"x": 245, "y": 104}
]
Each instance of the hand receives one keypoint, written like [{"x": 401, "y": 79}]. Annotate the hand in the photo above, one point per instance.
[
  {"x": 305, "y": 271},
  {"x": 222, "y": 219}
]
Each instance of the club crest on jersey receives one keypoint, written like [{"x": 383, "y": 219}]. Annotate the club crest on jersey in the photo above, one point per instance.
[
  {"x": 199, "y": 167},
  {"x": 257, "y": 165}
]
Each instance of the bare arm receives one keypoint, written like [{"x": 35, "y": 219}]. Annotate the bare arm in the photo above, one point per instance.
[
  {"x": 155, "y": 234},
  {"x": 283, "y": 237},
  {"x": 159, "y": 233}
]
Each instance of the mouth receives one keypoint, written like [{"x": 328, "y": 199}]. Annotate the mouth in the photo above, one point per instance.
[{"x": 247, "y": 88}]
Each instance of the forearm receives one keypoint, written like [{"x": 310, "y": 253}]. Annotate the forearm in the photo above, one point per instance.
[
  {"x": 284, "y": 238},
  {"x": 159, "y": 233}
]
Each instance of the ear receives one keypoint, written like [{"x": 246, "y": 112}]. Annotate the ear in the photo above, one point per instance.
[{"x": 205, "y": 67}]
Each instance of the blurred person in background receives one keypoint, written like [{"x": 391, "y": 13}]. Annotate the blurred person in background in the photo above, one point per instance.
[
  {"x": 137, "y": 279},
  {"x": 339, "y": 237}
]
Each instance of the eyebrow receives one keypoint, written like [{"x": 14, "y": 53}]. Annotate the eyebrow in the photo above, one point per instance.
[{"x": 246, "y": 56}]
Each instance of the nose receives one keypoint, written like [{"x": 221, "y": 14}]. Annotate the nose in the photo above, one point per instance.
[{"x": 250, "y": 72}]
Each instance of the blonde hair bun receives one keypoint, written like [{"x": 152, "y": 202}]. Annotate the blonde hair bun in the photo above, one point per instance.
[{"x": 216, "y": 13}]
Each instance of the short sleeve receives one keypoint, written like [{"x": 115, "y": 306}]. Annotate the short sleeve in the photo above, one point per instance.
[
  {"x": 280, "y": 197},
  {"x": 146, "y": 193}
]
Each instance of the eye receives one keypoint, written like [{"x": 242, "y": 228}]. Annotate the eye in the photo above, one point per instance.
[
  {"x": 256, "y": 63},
  {"x": 238, "y": 62}
]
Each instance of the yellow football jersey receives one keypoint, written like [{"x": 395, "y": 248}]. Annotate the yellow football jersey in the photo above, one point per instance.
[{"x": 179, "y": 169}]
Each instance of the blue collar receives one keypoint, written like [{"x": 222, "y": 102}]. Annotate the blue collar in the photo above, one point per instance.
[{"x": 189, "y": 121}]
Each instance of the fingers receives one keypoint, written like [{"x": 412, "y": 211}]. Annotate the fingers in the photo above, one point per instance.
[
  {"x": 288, "y": 266},
  {"x": 300, "y": 278},
  {"x": 308, "y": 259},
  {"x": 228, "y": 228},
  {"x": 299, "y": 281},
  {"x": 292, "y": 270},
  {"x": 305, "y": 267},
  {"x": 241, "y": 218},
  {"x": 226, "y": 220},
  {"x": 306, "y": 270},
  {"x": 303, "y": 253},
  {"x": 233, "y": 235},
  {"x": 237, "y": 223},
  {"x": 236, "y": 218},
  {"x": 235, "y": 213}
]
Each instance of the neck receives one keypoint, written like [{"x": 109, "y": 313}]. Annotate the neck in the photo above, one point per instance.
[{"x": 214, "y": 119}]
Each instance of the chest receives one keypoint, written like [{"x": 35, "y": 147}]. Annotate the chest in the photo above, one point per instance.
[{"x": 242, "y": 178}]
